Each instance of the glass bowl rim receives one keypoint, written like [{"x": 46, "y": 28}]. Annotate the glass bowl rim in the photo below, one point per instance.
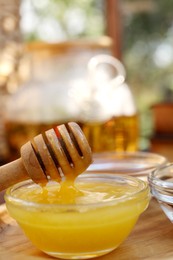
[
  {"x": 155, "y": 181},
  {"x": 143, "y": 189},
  {"x": 159, "y": 160}
]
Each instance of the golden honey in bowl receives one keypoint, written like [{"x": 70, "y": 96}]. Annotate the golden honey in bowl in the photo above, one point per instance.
[{"x": 79, "y": 220}]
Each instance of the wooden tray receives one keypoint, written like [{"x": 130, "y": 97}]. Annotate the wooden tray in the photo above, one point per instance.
[{"x": 152, "y": 238}]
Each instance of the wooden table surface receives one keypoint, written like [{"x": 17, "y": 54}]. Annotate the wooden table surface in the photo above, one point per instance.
[{"x": 151, "y": 239}]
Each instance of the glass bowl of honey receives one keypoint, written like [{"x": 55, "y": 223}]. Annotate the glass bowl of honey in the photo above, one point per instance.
[{"x": 85, "y": 219}]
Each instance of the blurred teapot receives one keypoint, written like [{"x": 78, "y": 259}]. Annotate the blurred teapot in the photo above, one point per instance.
[
  {"x": 90, "y": 90},
  {"x": 108, "y": 113}
]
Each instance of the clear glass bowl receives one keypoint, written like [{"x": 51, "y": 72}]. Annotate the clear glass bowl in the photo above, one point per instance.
[
  {"x": 161, "y": 183},
  {"x": 84, "y": 229},
  {"x": 138, "y": 164}
]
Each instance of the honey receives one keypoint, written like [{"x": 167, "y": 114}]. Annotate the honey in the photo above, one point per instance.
[
  {"x": 117, "y": 134},
  {"x": 84, "y": 219}
]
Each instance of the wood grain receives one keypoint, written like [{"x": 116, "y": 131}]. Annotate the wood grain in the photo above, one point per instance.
[{"x": 151, "y": 239}]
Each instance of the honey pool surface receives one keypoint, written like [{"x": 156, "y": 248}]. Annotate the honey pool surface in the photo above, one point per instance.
[{"x": 89, "y": 218}]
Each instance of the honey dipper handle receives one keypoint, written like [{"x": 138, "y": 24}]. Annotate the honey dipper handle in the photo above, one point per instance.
[{"x": 12, "y": 173}]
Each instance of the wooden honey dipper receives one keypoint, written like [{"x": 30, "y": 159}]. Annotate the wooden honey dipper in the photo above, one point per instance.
[{"x": 62, "y": 151}]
